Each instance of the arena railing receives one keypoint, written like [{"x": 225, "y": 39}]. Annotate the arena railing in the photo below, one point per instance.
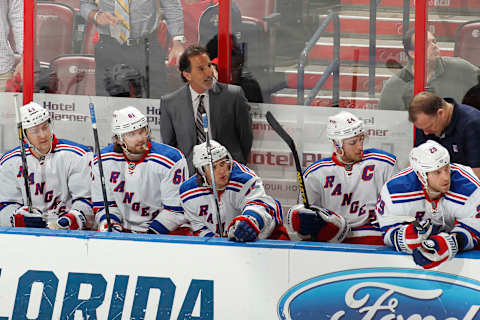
[{"x": 333, "y": 67}]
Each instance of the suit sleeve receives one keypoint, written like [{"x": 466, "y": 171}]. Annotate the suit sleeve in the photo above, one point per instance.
[
  {"x": 166, "y": 125},
  {"x": 243, "y": 124}
]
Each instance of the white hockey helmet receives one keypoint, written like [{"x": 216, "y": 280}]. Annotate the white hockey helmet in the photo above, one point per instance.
[
  {"x": 127, "y": 119},
  {"x": 33, "y": 114},
  {"x": 428, "y": 157},
  {"x": 342, "y": 126},
  {"x": 200, "y": 154}
]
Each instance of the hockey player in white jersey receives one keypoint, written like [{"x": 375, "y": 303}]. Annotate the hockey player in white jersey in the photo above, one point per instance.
[
  {"x": 347, "y": 183},
  {"x": 431, "y": 209},
  {"x": 142, "y": 179},
  {"x": 59, "y": 178},
  {"x": 246, "y": 212}
]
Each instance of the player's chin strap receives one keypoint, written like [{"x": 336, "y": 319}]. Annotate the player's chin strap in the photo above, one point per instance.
[
  {"x": 133, "y": 156},
  {"x": 209, "y": 185},
  {"x": 339, "y": 147},
  {"x": 37, "y": 151}
]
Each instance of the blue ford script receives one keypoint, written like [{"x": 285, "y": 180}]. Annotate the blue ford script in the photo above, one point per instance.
[{"x": 383, "y": 294}]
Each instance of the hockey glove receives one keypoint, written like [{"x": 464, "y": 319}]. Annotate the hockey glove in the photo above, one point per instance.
[
  {"x": 116, "y": 227},
  {"x": 318, "y": 223},
  {"x": 244, "y": 228},
  {"x": 411, "y": 236},
  {"x": 24, "y": 218},
  {"x": 71, "y": 220},
  {"x": 436, "y": 250}
]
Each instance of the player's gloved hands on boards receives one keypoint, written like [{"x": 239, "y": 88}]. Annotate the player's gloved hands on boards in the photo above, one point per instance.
[
  {"x": 245, "y": 228},
  {"x": 411, "y": 236},
  {"x": 116, "y": 227},
  {"x": 436, "y": 250},
  {"x": 71, "y": 220},
  {"x": 24, "y": 218},
  {"x": 319, "y": 223}
]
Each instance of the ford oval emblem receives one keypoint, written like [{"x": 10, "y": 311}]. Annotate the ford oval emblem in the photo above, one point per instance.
[{"x": 383, "y": 294}]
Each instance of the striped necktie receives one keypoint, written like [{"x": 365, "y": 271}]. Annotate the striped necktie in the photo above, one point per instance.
[
  {"x": 199, "y": 121},
  {"x": 122, "y": 12}
]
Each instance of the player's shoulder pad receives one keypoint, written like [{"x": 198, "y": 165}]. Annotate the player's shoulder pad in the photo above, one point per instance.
[
  {"x": 190, "y": 183},
  {"x": 324, "y": 162},
  {"x": 379, "y": 155},
  {"x": 165, "y": 150},
  {"x": 12, "y": 154},
  {"x": 108, "y": 154},
  {"x": 70, "y": 146},
  {"x": 463, "y": 180},
  {"x": 241, "y": 174},
  {"x": 406, "y": 181},
  {"x": 192, "y": 189}
]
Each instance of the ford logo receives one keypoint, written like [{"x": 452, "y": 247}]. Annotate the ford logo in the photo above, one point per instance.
[{"x": 383, "y": 294}]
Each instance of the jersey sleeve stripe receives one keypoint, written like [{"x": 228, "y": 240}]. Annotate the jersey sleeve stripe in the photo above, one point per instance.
[
  {"x": 381, "y": 157},
  {"x": 195, "y": 196},
  {"x": 196, "y": 190},
  {"x": 161, "y": 158},
  {"x": 11, "y": 155},
  {"x": 173, "y": 208},
  {"x": 317, "y": 166},
  {"x": 87, "y": 201},
  {"x": 408, "y": 200},
  {"x": 70, "y": 147},
  {"x": 232, "y": 189},
  {"x": 407, "y": 195},
  {"x": 160, "y": 162}
]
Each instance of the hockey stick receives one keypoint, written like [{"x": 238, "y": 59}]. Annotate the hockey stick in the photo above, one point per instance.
[
  {"x": 291, "y": 144},
  {"x": 100, "y": 166},
  {"x": 212, "y": 174},
  {"x": 21, "y": 140}
]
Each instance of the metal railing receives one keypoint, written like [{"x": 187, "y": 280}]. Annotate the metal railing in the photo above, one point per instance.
[
  {"x": 333, "y": 67},
  {"x": 372, "y": 57}
]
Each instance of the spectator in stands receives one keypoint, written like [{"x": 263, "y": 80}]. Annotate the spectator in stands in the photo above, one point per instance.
[
  {"x": 453, "y": 125},
  {"x": 239, "y": 76},
  {"x": 11, "y": 18},
  {"x": 472, "y": 97},
  {"x": 225, "y": 105},
  {"x": 124, "y": 81},
  {"x": 128, "y": 34},
  {"x": 446, "y": 76}
]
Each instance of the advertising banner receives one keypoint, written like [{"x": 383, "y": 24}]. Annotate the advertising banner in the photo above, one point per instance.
[{"x": 88, "y": 275}]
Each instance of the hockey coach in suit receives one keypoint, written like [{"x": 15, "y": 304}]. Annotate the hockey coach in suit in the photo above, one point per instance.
[{"x": 228, "y": 111}]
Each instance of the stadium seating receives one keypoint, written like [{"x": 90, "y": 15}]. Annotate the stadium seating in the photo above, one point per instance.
[
  {"x": 73, "y": 74},
  {"x": 467, "y": 42},
  {"x": 54, "y": 30}
]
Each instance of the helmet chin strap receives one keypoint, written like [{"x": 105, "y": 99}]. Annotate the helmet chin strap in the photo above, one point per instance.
[
  {"x": 37, "y": 151},
  {"x": 129, "y": 154},
  {"x": 431, "y": 193},
  {"x": 341, "y": 153}
]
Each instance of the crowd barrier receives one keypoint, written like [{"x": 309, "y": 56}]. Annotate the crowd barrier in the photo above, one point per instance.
[
  {"x": 270, "y": 157},
  {"x": 89, "y": 275}
]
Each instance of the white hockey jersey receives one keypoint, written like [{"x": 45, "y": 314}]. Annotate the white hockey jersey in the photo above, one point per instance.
[
  {"x": 243, "y": 191},
  {"x": 350, "y": 190},
  {"x": 403, "y": 199},
  {"x": 143, "y": 192},
  {"x": 59, "y": 182}
]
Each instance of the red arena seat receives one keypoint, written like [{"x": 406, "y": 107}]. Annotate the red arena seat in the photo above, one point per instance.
[
  {"x": 467, "y": 42},
  {"x": 73, "y": 74},
  {"x": 54, "y": 30}
]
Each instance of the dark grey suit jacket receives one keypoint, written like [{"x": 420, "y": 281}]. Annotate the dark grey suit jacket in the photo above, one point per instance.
[{"x": 230, "y": 121}]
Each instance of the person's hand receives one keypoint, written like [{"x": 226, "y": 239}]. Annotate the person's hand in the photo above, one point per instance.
[
  {"x": 105, "y": 18},
  {"x": 435, "y": 250},
  {"x": 175, "y": 53},
  {"x": 411, "y": 236},
  {"x": 243, "y": 228},
  {"x": 116, "y": 227}
]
